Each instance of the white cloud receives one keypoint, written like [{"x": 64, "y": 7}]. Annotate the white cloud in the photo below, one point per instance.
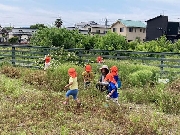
[
  {"x": 20, "y": 17},
  {"x": 8, "y": 8}
]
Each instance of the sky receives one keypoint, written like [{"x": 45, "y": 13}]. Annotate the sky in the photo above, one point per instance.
[{"x": 23, "y": 13}]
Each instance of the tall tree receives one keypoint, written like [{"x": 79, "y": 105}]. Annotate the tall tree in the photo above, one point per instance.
[{"x": 58, "y": 23}]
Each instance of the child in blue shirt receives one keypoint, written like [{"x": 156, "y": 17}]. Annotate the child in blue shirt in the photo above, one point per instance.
[
  {"x": 112, "y": 89},
  {"x": 114, "y": 71}
]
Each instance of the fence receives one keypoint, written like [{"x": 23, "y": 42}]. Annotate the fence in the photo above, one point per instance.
[
  {"x": 164, "y": 60},
  {"x": 26, "y": 55},
  {"x": 23, "y": 55}
]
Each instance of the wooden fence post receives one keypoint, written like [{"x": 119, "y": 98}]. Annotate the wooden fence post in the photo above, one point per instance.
[
  {"x": 162, "y": 64},
  {"x": 80, "y": 56},
  {"x": 13, "y": 55}
]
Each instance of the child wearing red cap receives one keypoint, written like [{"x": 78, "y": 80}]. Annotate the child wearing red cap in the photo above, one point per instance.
[
  {"x": 112, "y": 89},
  {"x": 73, "y": 86},
  {"x": 87, "y": 76},
  {"x": 114, "y": 71},
  {"x": 47, "y": 61},
  {"x": 99, "y": 61}
]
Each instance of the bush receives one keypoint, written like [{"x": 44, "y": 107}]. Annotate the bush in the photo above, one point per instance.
[
  {"x": 13, "y": 40},
  {"x": 58, "y": 76},
  {"x": 140, "y": 78},
  {"x": 10, "y": 71}
]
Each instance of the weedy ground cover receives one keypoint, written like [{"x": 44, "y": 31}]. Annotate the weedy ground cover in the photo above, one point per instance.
[{"x": 31, "y": 103}]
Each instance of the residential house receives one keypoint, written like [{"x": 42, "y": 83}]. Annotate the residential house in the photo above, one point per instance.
[
  {"x": 173, "y": 31},
  {"x": 82, "y": 31},
  {"x": 3, "y": 35},
  {"x": 130, "y": 29},
  {"x": 91, "y": 28},
  {"x": 159, "y": 26},
  {"x": 156, "y": 27},
  {"x": 24, "y": 34}
]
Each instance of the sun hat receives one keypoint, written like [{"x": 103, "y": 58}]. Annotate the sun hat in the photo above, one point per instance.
[
  {"x": 72, "y": 72},
  {"x": 104, "y": 66},
  {"x": 88, "y": 68}
]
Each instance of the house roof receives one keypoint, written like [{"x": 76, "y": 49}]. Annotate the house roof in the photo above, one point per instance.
[
  {"x": 131, "y": 23},
  {"x": 160, "y": 16},
  {"x": 92, "y": 24},
  {"x": 99, "y": 26}
]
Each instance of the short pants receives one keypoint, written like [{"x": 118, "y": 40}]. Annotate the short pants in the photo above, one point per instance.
[
  {"x": 86, "y": 84},
  {"x": 73, "y": 93}
]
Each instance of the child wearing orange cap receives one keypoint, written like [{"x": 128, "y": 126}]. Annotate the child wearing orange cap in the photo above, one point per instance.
[
  {"x": 112, "y": 89},
  {"x": 73, "y": 86},
  {"x": 99, "y": 61},
  {"x": 114, "y": 71},
  {"x": 47, "y": 61},
  {"x": 87, "y": 76}
]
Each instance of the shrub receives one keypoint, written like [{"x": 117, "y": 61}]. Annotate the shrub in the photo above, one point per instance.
[
  {"x": 10, "y": 71},
  {"x": 58, "y": 76},
  {"x": 140, "y": 78},
  {"x": 13, "y": 40}
]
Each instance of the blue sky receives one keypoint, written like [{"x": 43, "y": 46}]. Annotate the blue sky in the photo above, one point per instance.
[{"x": 22, "y": 13}]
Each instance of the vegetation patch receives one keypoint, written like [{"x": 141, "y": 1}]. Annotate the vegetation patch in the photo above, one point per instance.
[{"x": 32, "y": 104}]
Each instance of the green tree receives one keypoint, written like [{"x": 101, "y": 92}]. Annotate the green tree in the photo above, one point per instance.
[
  {"x": 58, "y": 23},
  {"x": 57, "y": 37},
  {"x": 159, "y": 45},
  {"x": 112, "y": 41},
  {"x": 176, "y": 46},
  {"x": 38, "y": 26}
]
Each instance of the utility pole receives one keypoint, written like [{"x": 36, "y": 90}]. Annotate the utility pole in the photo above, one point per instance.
[{"x": 106, "y": 24}]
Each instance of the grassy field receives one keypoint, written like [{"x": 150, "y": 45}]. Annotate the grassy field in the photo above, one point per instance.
[{"x": 31, "y": 103}]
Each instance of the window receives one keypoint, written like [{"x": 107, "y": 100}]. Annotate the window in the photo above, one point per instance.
[
  {"x": 114, "y": 29},
  {"x": 140, "y": 30},
  {"x": 121, "y": 29},
  {"x": 130, "y": 29},
  {"x": 135, "y": 29},
  {"x": 144, "y": 30},
  {"x": 89, "y": 29},
  {"x": 97, "y": 31}
]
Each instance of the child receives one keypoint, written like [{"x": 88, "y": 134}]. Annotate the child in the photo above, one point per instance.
[
  {"x": 47, "y": 61},
  {"x": 87, "y": 76},
  {"x": 99, "y": 61},
  {"x": 73, "y": 87},
  {"x": 112, "y": 89},
  {"x": 102, "y": 85},
  {"x": 114, "y": 71}
]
